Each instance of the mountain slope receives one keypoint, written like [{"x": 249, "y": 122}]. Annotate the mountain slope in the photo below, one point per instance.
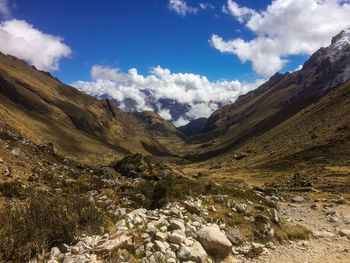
[
  {"x": 79, "y": 125},
  {"x": 264, "y": 109},
  {"x": 193, "y": 127},
  {"x": 160, "y": 129}
]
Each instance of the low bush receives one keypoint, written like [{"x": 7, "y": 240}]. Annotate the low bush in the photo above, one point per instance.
[{"x": 43, "y": 222}]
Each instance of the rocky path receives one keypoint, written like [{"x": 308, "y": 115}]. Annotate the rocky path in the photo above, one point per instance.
[{"x": 330, "y": 223}]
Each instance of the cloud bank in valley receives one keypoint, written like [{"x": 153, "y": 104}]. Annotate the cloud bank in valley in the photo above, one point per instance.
[
  {"x": 286, "y": 27},
  {"x": 20, "y": 39},
  {"x": 200, "y": 96}
]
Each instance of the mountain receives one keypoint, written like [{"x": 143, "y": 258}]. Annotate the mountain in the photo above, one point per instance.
[
  {"x": 80, "y": 126},
  {"x": 289, "y": 113},
  {"x": 193, "y": 127},
  {"x": 160, "y": 129}
]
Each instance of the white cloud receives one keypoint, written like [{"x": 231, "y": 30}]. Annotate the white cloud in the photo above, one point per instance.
[
  {"x": 286, "y": 27},
  {"x": 201, "y": 95},
  {"x": 22, "y": 40},
  {"x": 4, "y": 9},
  {"x": 206, "y": 5},
  {"x": 181, "y": 8},
  {"x": 201, "y": 110},
  {"x": 180, "y": 122},
  {"x": 298, "y": 68},
  {"x": 165, "y": 114}
]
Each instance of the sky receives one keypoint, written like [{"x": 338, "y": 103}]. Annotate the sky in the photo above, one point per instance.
[{"x": 203, "y": 53}]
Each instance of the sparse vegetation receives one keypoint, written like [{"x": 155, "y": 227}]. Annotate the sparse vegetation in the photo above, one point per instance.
[{"x": 42, "y": 222}]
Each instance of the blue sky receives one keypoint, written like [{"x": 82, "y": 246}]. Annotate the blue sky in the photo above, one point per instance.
[
  {"x": 201, "y": 53},
  {"x": 140, "y": 34}
]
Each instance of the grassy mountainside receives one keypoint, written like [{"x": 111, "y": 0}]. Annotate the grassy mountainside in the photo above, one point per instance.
[
  {"x": 79, "y": 125},
  {"x": 160, "y": 129},
  {"x": 274, "y": 104}
]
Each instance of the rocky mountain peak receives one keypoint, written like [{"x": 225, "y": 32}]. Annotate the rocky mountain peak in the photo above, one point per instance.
[{"x": 341, "y": 40}]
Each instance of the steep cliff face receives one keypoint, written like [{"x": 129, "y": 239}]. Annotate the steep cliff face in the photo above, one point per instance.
[{"x": 79, "y": 125}]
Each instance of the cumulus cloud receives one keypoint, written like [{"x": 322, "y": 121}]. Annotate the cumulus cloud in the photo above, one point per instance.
[
  {"x": 200, "y": 96},
  {"x": 165, "y": 114},
  {"x": 22, "y": 40},
  {"x": 293, "y": 27},
  {"x": 4, "y": 9},
  {"x": 181, "y": 8},
  {"x": 180, "y": 122}
]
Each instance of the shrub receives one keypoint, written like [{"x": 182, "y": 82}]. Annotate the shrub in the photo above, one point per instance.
[{"x": 45, "y": 222}]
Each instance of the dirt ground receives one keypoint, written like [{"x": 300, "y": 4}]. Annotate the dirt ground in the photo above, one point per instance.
[{"x": 328, "y": 246}]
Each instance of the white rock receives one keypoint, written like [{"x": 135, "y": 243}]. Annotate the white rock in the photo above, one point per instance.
[
  {"x": 159, "y": 246},
  {"x": 214, "y": 241},
  {"x": 323, "y": 234},
  {"x": 160, "y": 236},
  {"x": 68, "y": 259},
  {"x": 176, "y": 224},
  {"x": 195, "y": 253},
  {"x": 344, "y": 232},
  {"x": 54, "y": 252},
  {"x": 176, "y": 237}
]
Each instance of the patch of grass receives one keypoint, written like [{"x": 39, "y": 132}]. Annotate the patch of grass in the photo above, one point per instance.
[
  {"x": 292, "y": 232},
  {"x": 45, "y": 222},
  {"x": 177, "y": 188},
  {"x": 11, "y": 189}
]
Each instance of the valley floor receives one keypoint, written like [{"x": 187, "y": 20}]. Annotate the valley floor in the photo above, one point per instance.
[{"x": 330, "y": 244}]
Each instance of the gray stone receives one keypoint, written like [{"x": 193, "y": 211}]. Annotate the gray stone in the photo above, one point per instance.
[
  {"x": 298, "y": 199},
  {"x": 234, "y": 236},
  {"x": 16, "y": 152},
  {"x": 176, "y": 224},
  {"x": 219, "y": 198},
  {"x": 54, "y": 252},
  {"x": 261, "y": 218},
  {"x": 68, "y": 259},
  {"x": 323, "y": 234},
  {"x": 241, "y": 208},
  {"x": 192, "y": 208},
  {"x": 176, "y": 237},
  {"x": 159, "y": 246},
  {"x": 344, "y": 232},
  {"x": 112, "y": 243},
  {"x": 257, "y": 248},
  {"x": 195, "y": 253},
  {"x": 160, "y": 236},
  {"x": 214, "y": 241}
]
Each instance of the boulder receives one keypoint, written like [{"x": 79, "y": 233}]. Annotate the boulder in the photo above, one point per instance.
[
  {"x": 194, "y": 253},
  {"x": 214, "y": 241},
  {"x": 234, "y": 236}
]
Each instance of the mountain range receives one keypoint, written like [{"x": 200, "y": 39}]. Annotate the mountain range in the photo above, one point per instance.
[{"x": 300, "y": 112}]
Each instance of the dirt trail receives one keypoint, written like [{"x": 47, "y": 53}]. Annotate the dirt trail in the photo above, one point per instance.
[{"x": 329, "y": 246}]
